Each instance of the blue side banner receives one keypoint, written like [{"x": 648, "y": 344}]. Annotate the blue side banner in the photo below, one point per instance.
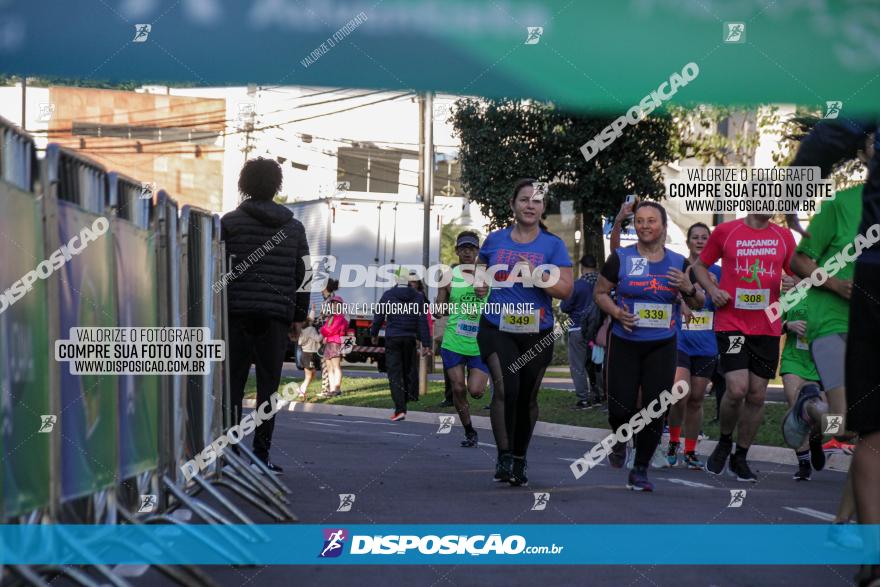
[{"x": 423, "y": 544}]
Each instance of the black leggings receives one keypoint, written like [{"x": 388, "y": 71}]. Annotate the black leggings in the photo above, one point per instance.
[
  {"x": 634, "y": 365},
  {"x": 516, "y": 363}
]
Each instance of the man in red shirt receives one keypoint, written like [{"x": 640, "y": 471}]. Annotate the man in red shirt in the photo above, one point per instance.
[{"x": 754, "y": 253}]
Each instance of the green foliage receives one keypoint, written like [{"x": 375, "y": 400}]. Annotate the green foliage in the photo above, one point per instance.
[
  {"x": 697, "y": 133},
  {"x": 560, "y": 351},
  {"x": 698, "y": 137},
  {"x": 448, "y": 234},
  {"x": 130, "y": 85},
  {"x": 504, "y": 140},
  {"x": 845, "y": 174}
]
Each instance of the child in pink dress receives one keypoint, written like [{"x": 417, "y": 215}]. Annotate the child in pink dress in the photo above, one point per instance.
[{"x": 333, "y": 331}]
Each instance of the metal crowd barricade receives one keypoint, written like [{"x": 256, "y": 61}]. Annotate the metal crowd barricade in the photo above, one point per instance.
[
  {"x": 130, "y": 200},
  {"x": 172, "y": 421},
  {"x": 28, "y": 479},
  {"x": 83, "y": 181},
  {"x": 117, "y": 437},
  {"x": 18, "y": 158},
  {"x": 78, "y": 477},
  {"x": 31, "y": 484},
  {"x": 80, "y": 292},
  {"x": 196, "y": 230},
  {"x": 203, "y": 260}
]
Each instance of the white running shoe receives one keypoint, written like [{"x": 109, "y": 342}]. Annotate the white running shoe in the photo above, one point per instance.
[{"x": 658, "y": 459}]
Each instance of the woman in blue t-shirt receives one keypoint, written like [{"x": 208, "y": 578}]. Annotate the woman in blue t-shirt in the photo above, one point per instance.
[
  {"x": 527, "y": 266},
  {"x": 641, "y": 348},
  {"x": 697, "y": 360}
]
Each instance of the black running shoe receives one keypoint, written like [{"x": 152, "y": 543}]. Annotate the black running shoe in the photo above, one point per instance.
[
  {"x": 470, "y": 439},
  {"x": 740, "y": 468},
  {"x": 518, "y": 473},
  {"x": 503, "y": 467},
  {"x": 718, "y": 458},
  {"x": 817, "y": 453},
  {"x": 617, "y": 456},
  {"x": 638, "y": 480},
  {"x": 445, "y": 404},
  {"x": 803, "y": 472}
]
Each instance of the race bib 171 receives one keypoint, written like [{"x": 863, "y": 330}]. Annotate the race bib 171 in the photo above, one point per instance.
[{"x": 700, "y": 320}]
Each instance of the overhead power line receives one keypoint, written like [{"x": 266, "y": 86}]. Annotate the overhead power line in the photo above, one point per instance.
[
  {"x": 182, "y": 121},
  {"x": 261, "y": 128}
]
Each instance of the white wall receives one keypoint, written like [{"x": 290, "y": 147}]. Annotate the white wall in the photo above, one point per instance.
[
  {"x": 393, "y": 123},
  {"x": 10, "y": 109},
  {"x": 233, "y": 142}
]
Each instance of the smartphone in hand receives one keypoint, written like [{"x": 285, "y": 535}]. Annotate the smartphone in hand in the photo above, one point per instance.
[{"x": 630, "y": 199}]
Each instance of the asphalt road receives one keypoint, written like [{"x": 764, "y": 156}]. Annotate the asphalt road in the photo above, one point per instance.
[
  {"x": 774, "y": 393},
  {"x": 408, "y": 473}
]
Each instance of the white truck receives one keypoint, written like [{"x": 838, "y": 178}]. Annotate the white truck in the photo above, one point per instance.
[{"x": 369, "y": 230}]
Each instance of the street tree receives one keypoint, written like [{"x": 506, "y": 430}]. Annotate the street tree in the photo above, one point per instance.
[{"x": 503, "y": 140}]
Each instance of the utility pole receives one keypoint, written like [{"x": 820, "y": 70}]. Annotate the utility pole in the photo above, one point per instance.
[
  {"x": 426, "y": 168},
  {"x": 426, "y": 188},
  {"x": 251, "y": 118}
]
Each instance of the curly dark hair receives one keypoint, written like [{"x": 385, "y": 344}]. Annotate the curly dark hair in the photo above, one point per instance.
[{"x": 260, "y": 179}]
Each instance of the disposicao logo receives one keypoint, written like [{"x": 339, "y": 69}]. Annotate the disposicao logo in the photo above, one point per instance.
[{"x": 334, "y": 542}]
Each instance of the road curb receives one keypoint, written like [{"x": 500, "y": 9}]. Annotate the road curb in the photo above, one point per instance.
[{"x": 767, "y": 454}]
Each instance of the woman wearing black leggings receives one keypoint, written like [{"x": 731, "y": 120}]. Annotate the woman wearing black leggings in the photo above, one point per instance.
[
  {"x": 528, "y": 266},
  {"x": 641, "y": 350}
]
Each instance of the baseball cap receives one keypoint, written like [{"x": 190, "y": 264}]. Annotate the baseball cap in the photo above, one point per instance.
[
  {"x": 467, "y": 239},
  {"x": 403, "y": 276}
]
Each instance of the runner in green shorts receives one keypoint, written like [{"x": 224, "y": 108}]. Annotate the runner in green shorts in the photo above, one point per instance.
[
  {"x": 460, "y": 349},
  {"x": 796, "y": 369}
]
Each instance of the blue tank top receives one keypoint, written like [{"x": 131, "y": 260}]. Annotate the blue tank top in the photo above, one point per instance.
[
  {"x": 500, "y": 251},
  {"x": 697, "y": 338},
  {"x": 643, "y": 289}
]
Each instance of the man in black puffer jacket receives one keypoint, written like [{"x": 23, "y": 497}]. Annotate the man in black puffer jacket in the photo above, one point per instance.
[{"x": 266, "y": 249}]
